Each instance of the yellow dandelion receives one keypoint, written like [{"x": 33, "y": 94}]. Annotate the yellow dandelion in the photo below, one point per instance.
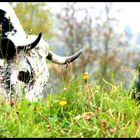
[
  {"x": 62, "y": 103},
  {"x": 86, "y": 76}
]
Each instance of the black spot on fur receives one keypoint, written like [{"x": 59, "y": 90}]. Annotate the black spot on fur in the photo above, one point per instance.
[
  {"x": 6, "y": 24},
  {"x": 24, "y": 76},
  {"x": 7, "y": 49}
]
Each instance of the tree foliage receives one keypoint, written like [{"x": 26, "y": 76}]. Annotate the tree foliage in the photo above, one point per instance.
[
  {"x": 105, "y": 50},
  {"x": 34, "y": 17}
]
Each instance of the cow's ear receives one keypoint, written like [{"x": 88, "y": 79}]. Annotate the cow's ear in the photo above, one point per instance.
[{"x": 7, "y": 49}]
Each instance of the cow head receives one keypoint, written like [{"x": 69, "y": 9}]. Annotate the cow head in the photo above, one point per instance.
[{"x": 23, "y": 60}]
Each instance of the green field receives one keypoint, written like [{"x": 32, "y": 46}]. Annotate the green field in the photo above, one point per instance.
[{"x": 79, "y": 110}]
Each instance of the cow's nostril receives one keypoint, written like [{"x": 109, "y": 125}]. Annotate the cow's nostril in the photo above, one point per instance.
[{"x": 24, "y": 76}]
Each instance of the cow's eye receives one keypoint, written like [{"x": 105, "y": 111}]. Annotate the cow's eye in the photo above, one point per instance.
[{"x": 24, "y": 76}]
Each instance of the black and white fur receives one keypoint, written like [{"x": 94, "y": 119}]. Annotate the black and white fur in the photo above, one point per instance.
[{"x": 23, "y": 68}]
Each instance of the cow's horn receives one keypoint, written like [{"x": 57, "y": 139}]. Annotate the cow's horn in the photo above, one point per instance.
[
  {"x": 31, "y": 45},
  {"x": 62, "y": 60}
]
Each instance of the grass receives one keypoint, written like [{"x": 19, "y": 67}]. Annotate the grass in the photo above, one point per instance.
[{"x": 78, "y": 110}]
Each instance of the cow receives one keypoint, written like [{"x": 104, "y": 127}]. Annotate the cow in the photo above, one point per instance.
[{"x": 23, "y": 68}]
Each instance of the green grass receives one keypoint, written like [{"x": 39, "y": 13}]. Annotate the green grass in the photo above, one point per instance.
[{"x": 82, "y": 115}]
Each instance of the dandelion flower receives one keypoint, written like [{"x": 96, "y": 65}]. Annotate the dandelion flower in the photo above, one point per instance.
[
  {"x": 86, "y": 76},
  {"x": 62, "y": 103}
]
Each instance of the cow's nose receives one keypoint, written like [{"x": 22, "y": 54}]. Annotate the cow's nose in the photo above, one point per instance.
[{"x": 24, "y": 76}]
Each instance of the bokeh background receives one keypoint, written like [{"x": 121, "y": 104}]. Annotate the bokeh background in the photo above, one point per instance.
[{"x": 108, "y": 33}]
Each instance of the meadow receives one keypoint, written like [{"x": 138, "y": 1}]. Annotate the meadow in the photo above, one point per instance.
[{"x": 80, "y": 110}]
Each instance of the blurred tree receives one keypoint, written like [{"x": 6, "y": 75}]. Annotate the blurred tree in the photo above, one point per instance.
[
  {"x": 104, "y": 50},
  {"x": 111, "y": 51},
  {"x": 34, "y": 17}
]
